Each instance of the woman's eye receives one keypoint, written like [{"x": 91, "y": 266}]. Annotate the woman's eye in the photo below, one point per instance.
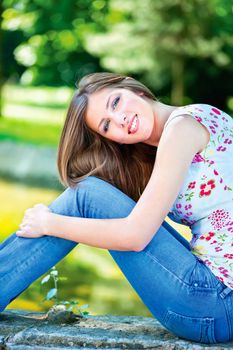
[
  {"x": 115, "y": 102},
  {"x": 106, "y": 125}
]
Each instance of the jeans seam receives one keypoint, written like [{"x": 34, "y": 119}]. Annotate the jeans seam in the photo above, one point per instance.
[
  {"x": 27, "y": 260},
  {"x": 155, "y": 260}
]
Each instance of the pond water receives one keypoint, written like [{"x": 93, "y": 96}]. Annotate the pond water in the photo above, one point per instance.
[{"x": 93, "y": 277}]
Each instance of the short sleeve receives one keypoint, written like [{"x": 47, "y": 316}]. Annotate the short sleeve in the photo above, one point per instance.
[{"x": 205, "y": 114}]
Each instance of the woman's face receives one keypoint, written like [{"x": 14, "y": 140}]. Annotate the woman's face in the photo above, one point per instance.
[{"x": 121, "y": 116}]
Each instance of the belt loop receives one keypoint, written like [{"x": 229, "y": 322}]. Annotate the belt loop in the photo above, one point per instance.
[{"x": 225, "y": 292}]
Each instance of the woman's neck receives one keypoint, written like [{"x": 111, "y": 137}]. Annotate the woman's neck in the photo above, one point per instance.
[{"x": 161, "y": 115}]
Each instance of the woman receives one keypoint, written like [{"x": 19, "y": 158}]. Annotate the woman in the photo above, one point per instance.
[{"x": 113, "y": 130}]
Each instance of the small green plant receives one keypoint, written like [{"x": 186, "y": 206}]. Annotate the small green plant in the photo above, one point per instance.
[{"x": 53, "y": 293}]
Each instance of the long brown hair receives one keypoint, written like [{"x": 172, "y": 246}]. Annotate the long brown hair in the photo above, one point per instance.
[{"x": 83, "y": 152}]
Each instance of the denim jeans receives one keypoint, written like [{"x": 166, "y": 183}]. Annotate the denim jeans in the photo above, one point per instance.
[{"x": 178, "y": 289}]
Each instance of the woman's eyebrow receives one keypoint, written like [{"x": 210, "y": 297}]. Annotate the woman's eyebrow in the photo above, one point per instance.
[{"x": 107, "y": 104}]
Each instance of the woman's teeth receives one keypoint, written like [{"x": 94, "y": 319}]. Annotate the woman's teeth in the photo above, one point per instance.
[{"x": 133, "y": 126}]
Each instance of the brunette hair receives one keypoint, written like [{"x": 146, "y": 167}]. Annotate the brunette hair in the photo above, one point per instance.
[{"x": 83, "y": 152}]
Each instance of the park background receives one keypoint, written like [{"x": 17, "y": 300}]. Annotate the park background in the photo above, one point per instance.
[{"x": 180, "y": 49}]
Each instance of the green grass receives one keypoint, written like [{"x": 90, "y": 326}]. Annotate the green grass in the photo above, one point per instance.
[
  {"x": 43, "y": 96},
  {"x": 33, "y": 115},
  {"x": 29, "y": 132}
]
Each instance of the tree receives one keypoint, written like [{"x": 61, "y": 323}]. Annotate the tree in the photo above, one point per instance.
[
  {"x": 51, "y": 51},
  {"x": 157, "y": 39}
]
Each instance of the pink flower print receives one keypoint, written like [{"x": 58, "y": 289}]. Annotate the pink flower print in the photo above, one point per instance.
[
  {"x": 206, "y": 188},
  {"x": 228, "y": 256},
  {"x": 192, "y": 184},
  {"x": 178, "y": 205},
  {"x": 207, "y": 262},
  {"x": 214, "y": 123},
  {"x": 207, "y": 236},
  {"x": 198, "y": 118},
  {"x": 219, "y": 218},
  {"x": 210, "y": 162},
  {"x": 216, "y": 111},
  {"x": 212, "y": 129},
  {"x": 221, "y": 149},
  {"x": 215, "y": 172},
  {"x": 221, "y": 181},
  {"x": 213, "y": 242},
  {"x": 198, "y": 158},
  {"x": 218, "y": 249},
  {"x": 223, "y": 271},
  {"x": 188, "y": 206},
  {"x": 220, "y": 279},
  {"x": 227, "y": 141}
]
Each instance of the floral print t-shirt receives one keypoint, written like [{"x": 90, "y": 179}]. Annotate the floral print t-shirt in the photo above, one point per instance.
[{"x": 205, "y": 201}]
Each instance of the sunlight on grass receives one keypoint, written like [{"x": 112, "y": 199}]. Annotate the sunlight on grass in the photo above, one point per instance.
[
  {"x": 38, "y": 96},
  {"x": 15, "y": 199},
  {"x": 37, "y": 104},
  {"x": 34, "y": 114},
  {"x": 24, "y": 131}
]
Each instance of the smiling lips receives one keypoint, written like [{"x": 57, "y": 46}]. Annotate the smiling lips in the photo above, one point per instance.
[{"x": 133, "y": 125}]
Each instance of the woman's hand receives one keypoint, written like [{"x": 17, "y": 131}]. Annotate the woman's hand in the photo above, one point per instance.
[{"x": 35, "y": 222}]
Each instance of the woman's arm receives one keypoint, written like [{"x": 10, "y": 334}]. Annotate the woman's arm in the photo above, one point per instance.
[{"x": 181, "y": 140}]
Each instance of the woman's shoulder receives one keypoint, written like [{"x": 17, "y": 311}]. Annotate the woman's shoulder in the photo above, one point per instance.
[
  {"x": 197, "y": 110},
  {"x": 211, "y": 117}
]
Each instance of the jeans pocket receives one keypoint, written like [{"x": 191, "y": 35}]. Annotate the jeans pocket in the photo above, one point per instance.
[
  {"x": 199, "y": 329},
  {"x": 202, "y": 278}
]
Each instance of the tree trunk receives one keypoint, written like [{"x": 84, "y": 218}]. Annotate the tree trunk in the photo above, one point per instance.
[{"x": 177, "y": 93}]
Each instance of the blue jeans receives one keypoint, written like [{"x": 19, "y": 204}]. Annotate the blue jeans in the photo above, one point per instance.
[{"x": 178, "y": 289}]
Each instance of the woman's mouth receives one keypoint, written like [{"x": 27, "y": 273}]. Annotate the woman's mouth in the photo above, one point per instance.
[{"x": 133, "y": 125}]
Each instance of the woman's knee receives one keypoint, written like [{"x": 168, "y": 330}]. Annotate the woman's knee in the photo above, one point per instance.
[
  {"x": 98, "y": 198},
  {"x": 93, "y": 197}
]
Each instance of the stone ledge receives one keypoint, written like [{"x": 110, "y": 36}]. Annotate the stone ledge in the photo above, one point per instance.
[
  {"x": 34, "y": 165},
  {"x": 25, "y": 330}
]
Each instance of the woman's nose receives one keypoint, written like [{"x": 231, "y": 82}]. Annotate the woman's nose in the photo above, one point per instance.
[{"x": 122, "y": 120}]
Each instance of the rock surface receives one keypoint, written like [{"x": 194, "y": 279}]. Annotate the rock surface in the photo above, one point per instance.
[
  {"x": 25, "y": 330},
  {"x": 30, "y": 164}
]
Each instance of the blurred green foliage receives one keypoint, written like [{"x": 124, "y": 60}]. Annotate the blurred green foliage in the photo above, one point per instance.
[
  {"x": 28, "y": 132},
  {"x": 180, "y": 49}
]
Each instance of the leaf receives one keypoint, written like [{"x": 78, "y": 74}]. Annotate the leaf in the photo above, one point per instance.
[
  {"x": 64, "y": 302},
  {"x": 51, "y": 294},
  {"x": 54, "y": 273},
  {"x": 45, "y": 279},
  {"x": 62, "y": 278}
]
